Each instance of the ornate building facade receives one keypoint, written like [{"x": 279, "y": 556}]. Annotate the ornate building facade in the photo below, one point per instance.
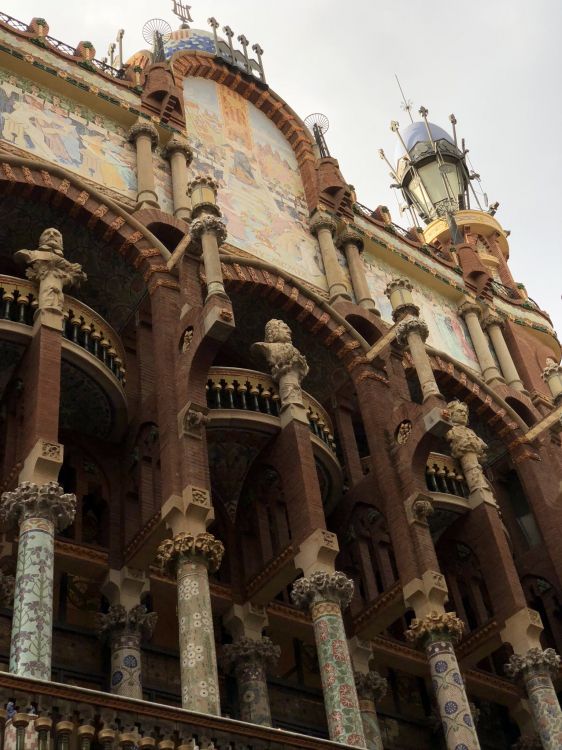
[{"x": 275, "y": 472}]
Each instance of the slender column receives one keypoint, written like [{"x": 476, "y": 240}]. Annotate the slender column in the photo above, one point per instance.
[
  {"x": 493, "y": 323},
  {"x": 125, "y": 629},
  {"x": 323, "y": 226},
  {"x": 179, "y": 154},
  {"x": 145, "y": 138},
  {"x": 207, "y": 230},
  {"x": 325, "y": 595},
  {"x": 250, "y": 660},
  {"x": 412, "y": 332},
  {"x": 536, "y": 669},
  {"x": 371, "y": 687},
  {"x": 352, "y": 244},
  {"x": 191, "y": 558},
  {"x": 552, "y": 376},
  {"x": 471, "y": 313},
  {"x": 38, "y": 510},
  {"x": 437, "y": 634}
]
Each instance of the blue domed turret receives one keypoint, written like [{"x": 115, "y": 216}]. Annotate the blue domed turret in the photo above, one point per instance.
[{"x": 417, "y": 133}]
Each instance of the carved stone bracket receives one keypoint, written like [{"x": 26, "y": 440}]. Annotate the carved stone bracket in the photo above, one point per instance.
[
  {"x": 47, "y": 501},
  {"x": 535, "y": 661},
  {"x": 248, "y": 650},
  {"x": 207, "y": 223},
  {"x": 419, "y": 508},
  {"x": 408, "y": 326},
  {"x": 204, "y": 547},
  {"x": 436, "y": 625},
  {"x": 370, "y": 685},
  {"x": 143, "y": 127},
  {"x": 192, "y": 419},
  {"x": 119, "y": 619},
  {"x": 322, "y": 587},
  {"x": 322, "y": 220}
]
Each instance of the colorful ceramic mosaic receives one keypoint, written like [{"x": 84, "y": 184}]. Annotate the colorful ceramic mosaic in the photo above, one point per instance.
[
  {"x": 450, "y": 694},
  {"x": 546, "y": 710},
  {"x": 30, "y": 651},
  {"x": 126, "y": 665},
  {"x": 198, "y": 660},
  {"x": 371, "y": 726}
]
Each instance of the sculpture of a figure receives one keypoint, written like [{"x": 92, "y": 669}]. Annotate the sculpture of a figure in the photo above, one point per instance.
[
  {"x": 462, "y": 439},
  {"x": 48, "y": 266},
  {"x": 288, "y": 365}
]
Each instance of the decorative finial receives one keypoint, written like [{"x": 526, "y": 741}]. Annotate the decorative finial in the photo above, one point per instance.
[{"x": 182, "y": 12}]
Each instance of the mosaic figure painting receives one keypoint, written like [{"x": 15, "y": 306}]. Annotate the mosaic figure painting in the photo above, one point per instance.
[{"x": 261, "y": 191}]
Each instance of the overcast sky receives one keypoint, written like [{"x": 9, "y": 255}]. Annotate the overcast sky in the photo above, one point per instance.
[{"x": 496, "y": 64}]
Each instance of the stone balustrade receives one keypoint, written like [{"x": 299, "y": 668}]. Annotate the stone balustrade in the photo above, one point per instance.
[
  {"x": 81, "y": 325},
  {"x": 443, "y": 474},
  {"x": 61, "y": 712},
  {"x": 249, "y": 390}
]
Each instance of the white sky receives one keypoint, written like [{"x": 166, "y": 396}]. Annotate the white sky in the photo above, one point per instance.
[{"x": 497, "y": 64}]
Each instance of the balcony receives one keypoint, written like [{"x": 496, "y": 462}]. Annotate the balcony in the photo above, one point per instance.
[
  {"x": 91, "y": 349},
  {"x": 68, "y": 716}
]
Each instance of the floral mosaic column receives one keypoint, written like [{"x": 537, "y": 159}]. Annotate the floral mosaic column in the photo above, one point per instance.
[
  {"x": 191, "y": 558},
  {"x": 371, "y": 687},
  {"x": 250, "y": 659},
  {"x": 39, "y": 510},
  {"x": 536, "y": 668},
  {"x": 125, "y": 630},
  {"x": 325, "y": 595},
  {"x": 437, "y": 634}
]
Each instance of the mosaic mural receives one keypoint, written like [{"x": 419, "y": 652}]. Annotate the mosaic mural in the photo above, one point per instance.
[
  {"x": 261, "y": 195},
  {"x": 58, "y": 130}
]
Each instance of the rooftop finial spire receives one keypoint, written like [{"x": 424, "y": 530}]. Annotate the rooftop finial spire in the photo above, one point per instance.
[
  {"x": 183, "y": 13},
  {"x": 407, "y": 104}
]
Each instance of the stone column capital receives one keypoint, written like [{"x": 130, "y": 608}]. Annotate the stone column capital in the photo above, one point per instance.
[
  {"x": 535, "y": 661},
  {"x": 249, "y": 651},
  {"x": 370, "y": 685},
  {"x": 322, "y": 587},
  {"x": 143, "y": 127},
  {"x": 408, "y": 326},
  {"x": 200, "y": 181},
  {"x": 462, "y": 439},
  {"x": 436, "y": 626},
  {"x": 185, "y": 547},
  {"x": 492, "y": 318},
  {"x": 118, "y": 620},
  {"x": 322, "y": 220},
  {"x": 207, "y": 224},
  {"x": 178, "y": 145},
  {"x": 551, "y": 370},
  {"x": 47, "y": 501},
  {"x": 350, "y": 236},
  {"x": 399, "y": 282},
  {"x": 468, "y": 306}
]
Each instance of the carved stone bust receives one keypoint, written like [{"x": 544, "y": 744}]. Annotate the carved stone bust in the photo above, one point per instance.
[{"x": 288, "y": 365}]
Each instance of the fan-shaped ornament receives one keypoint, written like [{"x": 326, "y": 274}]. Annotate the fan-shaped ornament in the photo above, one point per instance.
[{"x": 156, "y": 30}]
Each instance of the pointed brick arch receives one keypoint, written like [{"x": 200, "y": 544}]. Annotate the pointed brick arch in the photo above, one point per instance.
[{"x": 36, "y": 181}]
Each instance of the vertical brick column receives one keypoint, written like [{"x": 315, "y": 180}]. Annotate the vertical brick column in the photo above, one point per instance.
[
  {"x": 191, "y": 557},
  {"x": 536, "y": 669},
  {"x": 323, "y": 226},
  {"x": 144, "y": 136},
  {"x": 125, "y": 629},
  {"x": 250, "y": 659},
  {"x": 437, "y": 634},
  {"x": 371, "y": 687},
  {"x": 325, "y": 594},
  {"x": 39, "y": 511}
]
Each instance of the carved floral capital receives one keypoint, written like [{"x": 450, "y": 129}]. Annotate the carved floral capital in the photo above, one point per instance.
[
  {"x": 184, "y": 546},
  {"x": 370, "y": 685},
  {"x": 118, "y": 619},
  {"x": 202, "y": 180},
  {"x": 47, "y": 501},
  {"x": 143, "y": 127},
  {"x": 176, "y": 145},
  {"x": 397, "y": 283},
  {"x": 492, "y": 319},
  {"x": 408, "y": 326},
  {"x": 322, "y": 587},
  {"x": 535, "y": 661},
  {"x": 435, "y": 625},
  {"x": 322, "y": 220},
  {"x": 350, "y": 236},
  {"x": 248, "y": 650},
  {"x": 551, "y": 370},
  {"x": 207, "y": 223}
]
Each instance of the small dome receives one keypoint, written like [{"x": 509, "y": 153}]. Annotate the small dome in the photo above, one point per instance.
[
  {"x": 417, "y": 133},
  {"x": 189, "y": 39}
]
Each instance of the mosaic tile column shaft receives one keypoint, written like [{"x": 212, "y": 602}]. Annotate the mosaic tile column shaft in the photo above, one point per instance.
[
  {"x": 536, "y": 669},
  {"x": 125, "y": 630},
  {"x": 371, "y": 687},
  {"x": 193, "y": 557},
  {"x": 325, "y": 595},
  {"x": 437, "y": 633},
  {"x": 39, "y": 510},
  {"x": 250, "y": 659}
]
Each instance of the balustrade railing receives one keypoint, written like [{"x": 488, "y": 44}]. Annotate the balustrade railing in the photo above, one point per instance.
[
  {"x": 249, "y": 390},
  {"x": 443, "y": 474},
  {"x": 81, "y": 325}
]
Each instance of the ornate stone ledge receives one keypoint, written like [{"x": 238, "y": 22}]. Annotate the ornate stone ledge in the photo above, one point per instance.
[
  {"x": 322, "y": 587},
  {"x": 47, "y": 501},
  {"x": 204, "y": 547}
]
